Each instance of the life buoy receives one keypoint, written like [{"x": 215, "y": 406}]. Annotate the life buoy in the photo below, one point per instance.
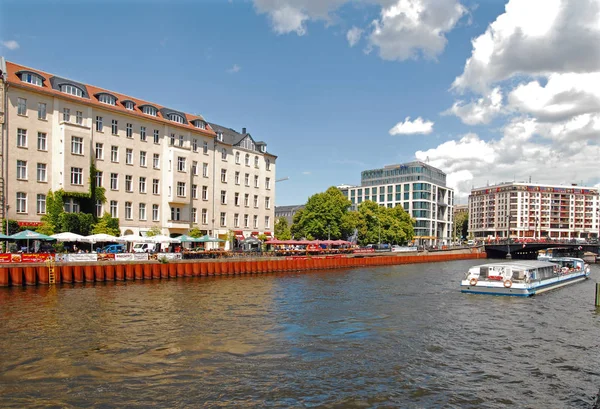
[
  {"x": 473, "y": 281},
  {"x": 507, "y": 283},
  {"x": 565, "y": 270}
]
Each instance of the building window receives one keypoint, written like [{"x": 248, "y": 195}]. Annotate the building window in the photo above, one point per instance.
[
  {"x": 143, "y": 133},
  {"x": 237, "y": 158},
  {"x": 142, "y": 211},
  {"x": 246, "y": 221},
  {"x": 41, "y": 110},
  {"x": 237, "y": 178},
  {"x": 99, "y": 124},
  {"x": 107, "y": 99},
  {"x": 149, "y": 110},
  {"x": 128, "y": 213},
  {"x": 71, "y": 205},
  {"x": 246, "y": 200},
  {"x": 223, "y": 197},
  {"x": 143, "y": 159},
  {"x": 194, "y": 168},
  {"x": 223, "y": 219},
  {"x": 129, "y": 105},
  {"x": 98, "y": 208},
  {"x": 142, "y": 184},
  {"x": 204, "y": 216},
  {"x": 180, "y": 164},
  {"x": 156, "y": 161},
  {"x": 114, "y": 181},
  {"x": 220, "y": 136},
  {"x": 255, "y": 201},
  {"x": 236, "y": 220},
  {"x": 129, "y": 156},
  {"x": 267, "y": 222},
  {"x": 76, "y": 145},
  {"x": 99, "y": 151},
  {"x": 195, "y": 145},
  {"x": 255, "y": 221},
  {"x": 268, "y": 183},
  {"x": 223, "y": 175},
  {"x": 247, "y": 179},
  {"x": 236, "y": 199},
  {"x": 267, "y": 202},
  {"x": 155, "y": 186},
  {"x": 41, "y": 141},
  {"x": 268, "y": 164},
  {"x": 79, "y": 117},
  {"x": 200, "y": 124},
  {"x": 193, "y": 215},
  {"x": 175, "y": 213},
  {"x": 114, "y": 127},
  {"x": 176, "y": 118},
  {"x": 224, "y": 154},
  {"x": 41, "y": 204},
  {"x": 180, "y": 140},
  {"x": 77, "y": 176},
  {"x": 181, "y": 189},
  {"x": 99, "y": 179},
  {"x": 22, "y": 170},
  {"x": 41, "y": 172},
  {"x": 256, "y": 161},
  {"x": 128, "y": 183},
  {"x": 21, "y": 202},
  {"x": 205, "y": 148},
  {"x": 21, "y": 106},
  {"x": 21, "y": 138},
  {"x": 255, "y": 180},
  {"x": 113, "y": 209},
  {"x": 129, "y": 130},
  {"x": 71, "y": 90},
  {"x": 155, "y": 212},
  {"x": 247, "y": 160},
  {"x": 31, "y": 78},
  {"x": 156, "y": 137},
  {"x": 205, "y": 170},
  {"x": 172, "y": 140},
  {"x": 66, "y": 114},
  {"x": 114, "y": 153},
  {"x": 204, "y": 192}
]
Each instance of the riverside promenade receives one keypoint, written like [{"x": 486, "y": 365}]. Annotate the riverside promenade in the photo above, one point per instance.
[{"x": 109, "y": 271}]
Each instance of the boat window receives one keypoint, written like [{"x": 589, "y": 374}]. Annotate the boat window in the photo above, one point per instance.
[{"x": 483, "y": 272}]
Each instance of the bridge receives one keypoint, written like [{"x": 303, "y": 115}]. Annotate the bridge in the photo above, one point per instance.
[{"x": 530, "y": 250}]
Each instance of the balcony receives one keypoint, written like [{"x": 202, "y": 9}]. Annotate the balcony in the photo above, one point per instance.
[{"x": 178, "y": 224}]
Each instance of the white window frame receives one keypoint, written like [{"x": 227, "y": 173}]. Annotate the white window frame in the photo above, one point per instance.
[
  {"x": 42, "y": 141},
  {"x": 114, "y": 181},
  {"x": 143, "y": 155},
  {"x": 42, "y": 111},
  {"x": 21, "y": 202},
  {"x": 76, "y": 145},
  {"x": 76, "y": 176},
  {"x": 155, "y": 213},
  {"x": 40, "y": 207},
  {"x": 21, "y": 138},
  {"x": 79, "y": 117},
  {"x": 142, "y": 184},
  {"x": 22, "y": 106},
  {"x": 42, "y": 172},
  {"x": 128, "y": 156},
  {"x": 99, "y": 151},
  {"x": 21, "y": 169},
  {"x": 114, "y": 208}
]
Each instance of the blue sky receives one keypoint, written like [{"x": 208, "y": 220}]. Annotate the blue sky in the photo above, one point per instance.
[{"x": 297, "y": 75}]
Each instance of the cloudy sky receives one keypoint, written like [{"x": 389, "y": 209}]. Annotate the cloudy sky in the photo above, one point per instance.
[{"x": 488, "y": 91}]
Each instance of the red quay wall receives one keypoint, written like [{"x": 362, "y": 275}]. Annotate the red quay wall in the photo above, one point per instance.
[{"x": 106, "y": 271}]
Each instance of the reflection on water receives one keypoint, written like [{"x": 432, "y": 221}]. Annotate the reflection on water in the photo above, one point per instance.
[{"x": 401, "y": 336}]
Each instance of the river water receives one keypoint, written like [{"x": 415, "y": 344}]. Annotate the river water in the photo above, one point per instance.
[{"x": 397, "y": 336}]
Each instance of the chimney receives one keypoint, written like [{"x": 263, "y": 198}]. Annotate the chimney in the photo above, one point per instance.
[{"x": 243, "y": 131}]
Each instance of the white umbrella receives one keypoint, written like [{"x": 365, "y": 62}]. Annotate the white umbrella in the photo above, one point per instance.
[
  {"x": 68, "y": 236},
  {"x": 133, "y": 238},
  {"x": 101, "y": 237},
  {"x": 164, "y": 239}
]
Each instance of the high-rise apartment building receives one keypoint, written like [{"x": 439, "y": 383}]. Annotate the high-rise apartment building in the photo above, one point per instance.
[
  {"x": 530, "y": 210},
  {"x": 419, "y": 188},
  {"x": 159, "y": 167}
]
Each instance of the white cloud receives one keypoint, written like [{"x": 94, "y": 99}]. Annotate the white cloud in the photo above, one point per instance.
[
  {"x": 353, "y": 36},
  {"x": 306, "y": 172},
  {"x": 481, "y": 111},
  {"x": 418, "y": 126},
  {"x": 235, "y": 68},
  {"x": 535, "y": 37},
  {"x": 10, "y": 44},
  {"x": 408, "y": 28}
]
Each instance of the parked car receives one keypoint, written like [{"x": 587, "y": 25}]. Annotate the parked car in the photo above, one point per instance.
[
  {"x": 113, "y": 248},
  {"x": 145, "y": 247}
]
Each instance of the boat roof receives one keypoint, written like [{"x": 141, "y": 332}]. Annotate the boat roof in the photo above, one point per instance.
[
  {"x": 566, "y": 259},
  {"x": 522, "y": 264}
]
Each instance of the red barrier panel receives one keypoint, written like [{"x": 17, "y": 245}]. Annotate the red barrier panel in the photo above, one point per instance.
[
  {"x": 203, "y": 269},
  {"x": 138, "y": 271},
  {"x": 129, "y": 274},
  {"x": 88, "y": 273},
  {"x": 261, "y": 266},
  {"x": 246, "y": 267},
  {"x": 66, "y": 275},
  {"x": 30, "y": 278},
  {"x": 4, "y": 277},
  {"x": 99, "y": 272},
  {"x": 147, "y": 269},
  {"x": 237, "y": 267},
  {"x": 210, "y": 268},
  {"x": 224, "y": 267},
  {"x": 164, "y": 271},
  {"x": 172, "y": 270},
  {"x": 188, "y": 270},
  {"x": 16, "y": 276},
  {"x": 43, "y": 275},
  {"x": 119, "y": 272},
  {"x": 180, "y": 269},
  {"x": 217, "y": 268},
  {"x": 196, "y": 269},
  {"x": 156, "y": 271}
]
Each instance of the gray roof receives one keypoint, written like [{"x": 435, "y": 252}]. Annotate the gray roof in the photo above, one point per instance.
[
  {"x": 230, "y": 136},
  {"x": 57, "y": 81}
]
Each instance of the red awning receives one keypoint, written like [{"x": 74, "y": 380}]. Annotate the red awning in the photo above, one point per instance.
[
  {"x": 267, "y": 233},
  {"x": 29, "y": 224},
  {"x": 254, "y": 233}
]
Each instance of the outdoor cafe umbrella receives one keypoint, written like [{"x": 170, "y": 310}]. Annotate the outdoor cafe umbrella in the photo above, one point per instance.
[
  {"x": 30, "y": 235},
  {"x": 207, "y": 239},
  {"x": 161, "y": 238},
  {"x": 134, "y": 238},
  {"x": 100, "y": 238},
  {"x": 184, "y": 238},
  {"x": 68, "y": 236}
]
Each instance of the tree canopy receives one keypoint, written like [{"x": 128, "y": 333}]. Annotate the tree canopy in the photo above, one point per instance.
[
  {"x": 379, "y": 224},
  {"x": 107, "y": 224},
  {"x": 282, "y": 230}
]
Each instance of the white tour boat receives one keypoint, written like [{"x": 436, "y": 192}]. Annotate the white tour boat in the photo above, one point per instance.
[{"x": 524, "y": 277}]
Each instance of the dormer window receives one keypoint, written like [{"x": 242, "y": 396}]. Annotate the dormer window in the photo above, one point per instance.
[
  {"x": 149, "y": 110},
  {"x": 129, "y": 105},
  {"x": 107, "y": 99},
  {"x": 71, "y": 90},
  {"x": 176, "y": 118},
  {"x": 220, "y": 136},
  {"x": 199, "y": 124},
  {"x": 32, "y": 78}
]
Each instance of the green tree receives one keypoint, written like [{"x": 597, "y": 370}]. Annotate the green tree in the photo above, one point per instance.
[
  {"x": 324, "y": 216},
  {"x": 381, "y": 224},
  {"x": 462, "y": 225},
  {"x": 107, "y": 224},
  {"x": 13, "y": 227},
  {"x": 195, "y": 232},
  {"x": 79, "y": 223},
  {"x": 282, "y": 230},
  {"x": 54, "y": 208}
]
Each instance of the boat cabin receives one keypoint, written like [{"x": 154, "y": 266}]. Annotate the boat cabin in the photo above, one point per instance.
[{"x": 515, "y": 271}]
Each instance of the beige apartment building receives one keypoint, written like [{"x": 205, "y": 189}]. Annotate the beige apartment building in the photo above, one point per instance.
[
  {"x": 159, "y": 167},
  {"x": 533, "y": 211}
]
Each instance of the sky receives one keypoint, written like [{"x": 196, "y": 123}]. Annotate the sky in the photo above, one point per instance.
[{"x": 487, "y": 91}]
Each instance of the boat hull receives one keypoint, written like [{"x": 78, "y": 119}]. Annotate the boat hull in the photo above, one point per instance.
[{"x": 521, "y": 290}]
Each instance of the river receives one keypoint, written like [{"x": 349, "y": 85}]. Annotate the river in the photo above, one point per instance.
[{"x": 396, "y": 336}]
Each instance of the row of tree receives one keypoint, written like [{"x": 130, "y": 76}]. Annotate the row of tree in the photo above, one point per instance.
[{"x": 327, "y": 216}]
